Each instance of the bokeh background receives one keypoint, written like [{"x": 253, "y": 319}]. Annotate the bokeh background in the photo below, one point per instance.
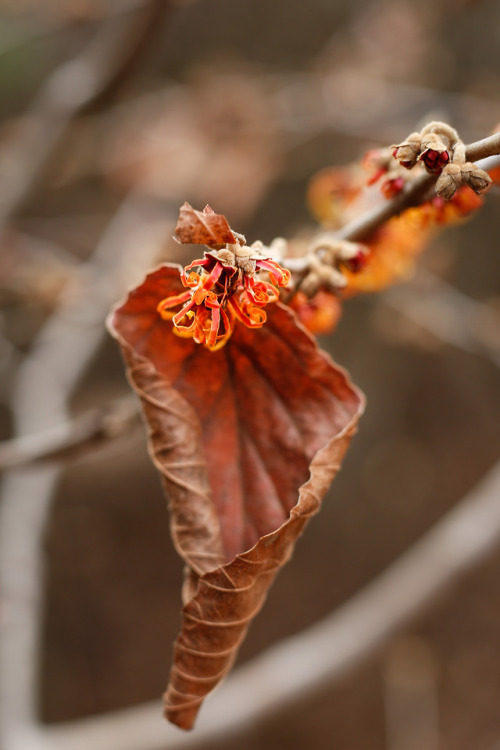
[{"x": 118, "y": 112}]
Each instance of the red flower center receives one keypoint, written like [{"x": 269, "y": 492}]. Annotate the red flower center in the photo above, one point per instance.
[{"x": 218, "y": 296}]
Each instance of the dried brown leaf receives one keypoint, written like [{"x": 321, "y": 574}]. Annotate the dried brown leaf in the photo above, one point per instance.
[
  {"x": 203, "y": 227},
  {"x": 247, "y": 440}
]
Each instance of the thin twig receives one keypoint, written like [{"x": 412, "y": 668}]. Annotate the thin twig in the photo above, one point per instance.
[
  {"x": 414, "y": 193},
  {"x": 74, "y": 87},
  {"x": 136, "y": 41},
  {"x": 67, "y": 440},
  {"x": 489, "y": 146},
  {"x": 448, "y": 314}
]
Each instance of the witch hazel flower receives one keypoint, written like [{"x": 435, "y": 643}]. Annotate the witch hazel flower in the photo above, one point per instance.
[{"x": 227, "y": 287}]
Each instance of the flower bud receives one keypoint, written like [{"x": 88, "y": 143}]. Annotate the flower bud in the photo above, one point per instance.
[
  {"x": 311, "y": 284},
  {"x": 448, "y": 181},
  {"x": 433, "y": 153},
  {"x": 406, "y": 153},
  {"x": 476, "y": 178},
  {"x": 392, "y": 186},
  {"x": 352, "y": 255},
  {"x": 357, "y": 262},
  {"x": 332, "y": 279},
  {"x": 434, "y": 160}
]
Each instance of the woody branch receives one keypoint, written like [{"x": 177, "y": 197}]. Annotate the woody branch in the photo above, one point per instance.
[{"x": 414, "y": 193}]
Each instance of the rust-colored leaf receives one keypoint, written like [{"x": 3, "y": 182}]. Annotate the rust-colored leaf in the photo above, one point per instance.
[
  {"x": 203, "y": 227},
  {"x": 247, "y": 440}
]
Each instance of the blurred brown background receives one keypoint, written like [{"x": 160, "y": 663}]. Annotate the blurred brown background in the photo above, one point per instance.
[{"x": 238, "y": 104}]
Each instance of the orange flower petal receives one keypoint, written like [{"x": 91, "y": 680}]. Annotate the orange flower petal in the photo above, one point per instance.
[
  {"x": 173, "y": 301},
  {"x": 279, "y": 276},
  {"x": 185, "y": 312},
  {"x": 260, "y": 292},
  {"x": 207, "y": 283},
  {"x": 214, "y": 327},
  {"x": 251, "y": 316},
  {"x": 198, "y": 262},
  {"x": 211, "y": 300}
]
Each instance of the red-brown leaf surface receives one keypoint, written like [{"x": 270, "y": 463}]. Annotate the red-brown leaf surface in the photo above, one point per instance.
[{"x": 247, "y": 440}]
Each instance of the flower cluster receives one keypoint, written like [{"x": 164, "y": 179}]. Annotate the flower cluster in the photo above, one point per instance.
[
  {"x": 224, "y": 290},
  {"x": 327, "y": 261},
  {"x": 430, "y": 148},
  {"x": 438, "y": 147}
]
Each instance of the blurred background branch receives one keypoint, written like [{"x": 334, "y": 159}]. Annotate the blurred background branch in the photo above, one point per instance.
[
  {"x": 58, "y": 359},
  {"x": 296, "y": 669},
  {"x": 67, "y": 440},
  {"x": 134, "y": 108},
  {"x": 83, "y": 84}
]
